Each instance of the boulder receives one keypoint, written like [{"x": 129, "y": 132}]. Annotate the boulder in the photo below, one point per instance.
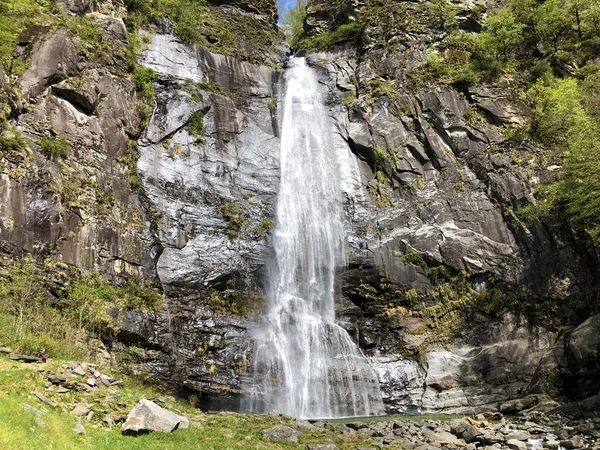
[
  {"x": 75, "y": 7},
  {"x": 147, "y": 416},
  {"x": 81, "y": 410},
  {"x": 585, "y": 340},
  {"x": 514, "y": 444},
  {"x": 24, "y": 358},
  {"x": 573, "y": 442},
  {"x": 465, "y": 430},
  {"x": 51, "y": 62},
  {"x": 44, "y": 399},
  {"x": 281, "y": 433}
]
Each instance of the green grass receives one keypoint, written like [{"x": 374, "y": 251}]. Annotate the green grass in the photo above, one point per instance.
[{"x": 21, "y": 429}]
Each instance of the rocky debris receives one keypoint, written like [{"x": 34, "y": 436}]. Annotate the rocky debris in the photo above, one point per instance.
[
  {"x": 281, "y": 433},
  {"x": 24, "y": 358},
  {"x": 81, "y": 410},
  {"x": 5, "y": 350},
  {"x": 147, "y": 416},
  {"x": 44, "y": 399},
  {"x": 80, "y": 377},
  {"x": 514, "y": 444},
  {"x": 322, "y": 447},
  {"x": 525, "y": 431}
]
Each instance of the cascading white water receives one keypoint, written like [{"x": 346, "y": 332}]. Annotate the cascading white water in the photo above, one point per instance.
[{"x": 304, "y": 364}]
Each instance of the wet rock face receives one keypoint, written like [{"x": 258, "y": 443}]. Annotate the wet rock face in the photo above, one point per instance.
[{"x": 213, "y": 183}]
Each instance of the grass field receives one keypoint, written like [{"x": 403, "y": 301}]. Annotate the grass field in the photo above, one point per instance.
[{"x": 22, "y": 429}]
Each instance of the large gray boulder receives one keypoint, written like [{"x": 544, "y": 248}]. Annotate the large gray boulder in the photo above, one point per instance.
[
  {"x": 585, "y": 340},
  {"x": 147, "y": 416}
]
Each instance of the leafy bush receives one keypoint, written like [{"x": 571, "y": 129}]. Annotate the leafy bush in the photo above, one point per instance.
[
  {"x": 195, "y": 126},
  {"x": 144, "y": 78},
  {"x": 350, "y": 33}
]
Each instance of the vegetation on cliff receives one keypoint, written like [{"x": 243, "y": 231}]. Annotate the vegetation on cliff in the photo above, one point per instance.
[
  {"x": 254, "y": 38},
  {"x": 49, "y": 304}
]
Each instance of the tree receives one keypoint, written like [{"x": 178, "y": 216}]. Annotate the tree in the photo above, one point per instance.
[
  {"x": 293, "y": 23},
  {"x": 551, "y": 23},
  {"x": 502, "y": 33}
]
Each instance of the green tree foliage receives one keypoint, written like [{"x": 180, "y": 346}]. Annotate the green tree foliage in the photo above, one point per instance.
[
  {"x": 567, "y": 118},
  {"x": 551, "y": 23},
  {"x": 501, "y": 34},
  {"x": 293, "y": 23}
]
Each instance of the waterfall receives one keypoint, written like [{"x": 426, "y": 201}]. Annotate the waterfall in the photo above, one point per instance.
[{"x": 304, "y": 364}]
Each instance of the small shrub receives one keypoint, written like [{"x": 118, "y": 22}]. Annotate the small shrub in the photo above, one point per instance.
[
  {"x": 235, "y": 219},
  {"x": 144, "y": 79},
  {"x": 195, "y": 126},
  {"x": 13, "y": 142},
  {"x": 54, "y": 149},
  {"x": 350, "y": 33}
]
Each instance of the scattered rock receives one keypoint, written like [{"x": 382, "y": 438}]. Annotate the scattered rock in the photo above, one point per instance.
[
  {"x": 321, "y": 447},
  {"x": 38, "y": 412},
  {"x": 62, "y": 390},
  {"x": 465, "y": 430},
  {"x": 108, "y": 420},
  {"x": 89, "y": 416},
  {"x": 573, "y": 442},
  {"x": 24, "y": 358},
  {"x": 519, "y": 435},
  {"x": 514, "y": 444},
  {"x": 44, "y": 399},
  {"x": 81, "y": 410},
  {"x": 5, "y": 350},
  {"x": 79, "y": 429},
  {"x": 55, "y": 379},
  {"x": 147, "y": 416},
  {"x": 281, "y": 433}
]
